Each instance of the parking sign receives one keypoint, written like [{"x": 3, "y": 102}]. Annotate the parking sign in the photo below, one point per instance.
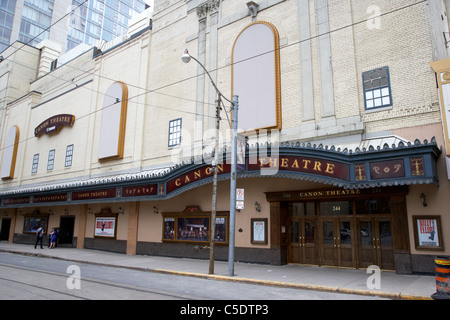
[{"x": 239, "y": 194}]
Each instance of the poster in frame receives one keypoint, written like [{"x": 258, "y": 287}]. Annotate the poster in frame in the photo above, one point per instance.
[
  {"x": 259, "y": 231},
  {"x": 428, "y": 233},
  {"x": 32, "y": 222},
  {"x": 105, "y": 226},
  {"x": 194, "y": 228}
]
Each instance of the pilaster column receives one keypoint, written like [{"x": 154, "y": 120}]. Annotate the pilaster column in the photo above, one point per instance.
[
  {"x": 82, "y": 226},
  {"x": 133, "y": 219}
]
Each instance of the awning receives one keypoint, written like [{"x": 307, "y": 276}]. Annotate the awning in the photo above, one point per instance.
[{"x": 382, "y": 163}]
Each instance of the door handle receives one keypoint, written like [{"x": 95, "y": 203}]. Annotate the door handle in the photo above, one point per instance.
[{"x": 374, "y": 241}]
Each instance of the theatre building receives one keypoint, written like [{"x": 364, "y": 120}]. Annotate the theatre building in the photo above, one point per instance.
[{"x": 343, "y": 134}]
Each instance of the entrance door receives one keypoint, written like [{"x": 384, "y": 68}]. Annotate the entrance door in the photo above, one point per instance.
[
  {"x": 345, "y": 242},
  {"x": 375, "y": 243},
  {"x": 336, "y": 242},
  {"x": 328, "y": 244},
  {"x": 66, "y": 226},
  {"x": 302, "y": 248},
  {"x": 4, "y": 232}
]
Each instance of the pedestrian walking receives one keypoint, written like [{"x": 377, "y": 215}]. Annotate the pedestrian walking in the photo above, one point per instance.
[
  {"x": 39, "y": 236},
  {"x": 54, "y": 236}
]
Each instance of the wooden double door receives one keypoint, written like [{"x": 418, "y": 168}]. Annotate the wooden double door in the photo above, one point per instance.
[{"x": 342, "y": 241}]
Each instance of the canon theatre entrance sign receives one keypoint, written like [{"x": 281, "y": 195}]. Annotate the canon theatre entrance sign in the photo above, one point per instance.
[
  {"x": 352, "y": 171},
  {"x": 315, "y": 166},
  {"x": 195, "y": 176},
  {"x": 54, "y": 124}
]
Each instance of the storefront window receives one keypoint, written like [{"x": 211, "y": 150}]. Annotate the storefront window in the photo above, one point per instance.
[
  {"x": 32, "y": 222},
  {"x": 302, "y": 209},
  {"x": 193, "y": 229},
  {"x": 336, "y": 208},
  {"x": 373, "y": 206},
  {"x": 184, "y": 228}
]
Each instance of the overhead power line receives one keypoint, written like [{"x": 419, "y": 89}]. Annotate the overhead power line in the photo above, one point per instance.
[{"x": 155, "y": 90}]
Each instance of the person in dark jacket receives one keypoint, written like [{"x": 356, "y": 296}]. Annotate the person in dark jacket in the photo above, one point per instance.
[{"x": 39, "y": 236}]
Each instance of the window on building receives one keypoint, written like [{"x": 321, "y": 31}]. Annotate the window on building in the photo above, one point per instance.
[
  {"x": 69, "y": 155},
  {"x": 194, "y": 227},
  {"x": 174, "y": 132},
  {"x": 51, "y": 159},
  {"x": 256, "y": 76},
  {"x": 34, "y": 168},
  {"x": 53, "y": 64},
  {"x": 377, "y": 88},
  {"x": 32, "y": 222}
]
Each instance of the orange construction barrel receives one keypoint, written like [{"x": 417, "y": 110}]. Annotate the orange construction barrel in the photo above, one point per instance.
[{"x": 442, "y": 278}]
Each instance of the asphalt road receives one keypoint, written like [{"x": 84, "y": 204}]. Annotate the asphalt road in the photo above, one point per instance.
[{"x": 36, "y": 278}]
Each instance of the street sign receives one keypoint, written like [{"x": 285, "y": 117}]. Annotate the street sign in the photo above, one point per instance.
[
  {"x": 239, "y": 194},
  {"x": 239, "y": 199}
]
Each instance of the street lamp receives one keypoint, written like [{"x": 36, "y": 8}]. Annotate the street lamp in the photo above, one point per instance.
[{"x": 186, "y": 58}]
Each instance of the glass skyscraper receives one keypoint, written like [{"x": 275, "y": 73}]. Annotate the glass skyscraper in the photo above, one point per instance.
[
  {"x": 36, "y": 18},
  {"x": 31, "y": 21},
  {"x": 100, "y": 19},
  {"x": 7, "y": 9}
]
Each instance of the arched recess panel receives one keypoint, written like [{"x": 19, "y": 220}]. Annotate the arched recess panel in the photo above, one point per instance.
[
  {"x": 10, "y": 153},
  {"x": 114, "y": 118},
  {"x": 256, "y": 76}
]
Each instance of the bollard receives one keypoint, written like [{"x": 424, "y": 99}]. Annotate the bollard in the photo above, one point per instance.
[{"x": 442, "y": 279}]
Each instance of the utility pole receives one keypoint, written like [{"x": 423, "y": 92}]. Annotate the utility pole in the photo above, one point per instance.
[
  {"x": 214, "y": 194},
  {"x": 234, "y": 109},
  {"x": 234, "y": 126},
  {"x": 186, "y": 58}
]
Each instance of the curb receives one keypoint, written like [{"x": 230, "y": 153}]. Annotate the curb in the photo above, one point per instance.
[
  {"x": 299, "y": 286},
  {"x": 278, "y": 284}
]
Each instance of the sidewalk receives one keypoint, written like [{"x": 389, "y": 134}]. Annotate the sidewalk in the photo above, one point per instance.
[{"x": 351, "y": 281}]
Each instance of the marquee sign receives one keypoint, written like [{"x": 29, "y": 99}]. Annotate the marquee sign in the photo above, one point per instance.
[
  {"x": 315, "y": 166},
  {"x": 387, "y": 169},
  {"x": 94, "y": 194},
  {"x": 141, "y": 190},
  {"x": 195, "y": 175},
  {"x": 54, "y": 124},
  {"x": 353, "y": 172}
]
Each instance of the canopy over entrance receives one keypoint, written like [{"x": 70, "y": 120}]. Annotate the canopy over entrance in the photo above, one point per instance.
[{"x": 388, "y": 165}]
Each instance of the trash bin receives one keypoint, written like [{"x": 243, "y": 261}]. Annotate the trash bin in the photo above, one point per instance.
[{"x": 442, "y": 278}]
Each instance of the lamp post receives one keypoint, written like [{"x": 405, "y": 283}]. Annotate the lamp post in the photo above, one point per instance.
[{"x": 186, "y": 58}]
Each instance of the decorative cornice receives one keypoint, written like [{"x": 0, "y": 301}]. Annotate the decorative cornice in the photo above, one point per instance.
[{"x": 208, "y": 6}]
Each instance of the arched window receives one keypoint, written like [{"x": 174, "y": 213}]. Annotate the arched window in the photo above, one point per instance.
[
  {"x": 256, "y": 77},
  {"x": 114, "y": 118}
]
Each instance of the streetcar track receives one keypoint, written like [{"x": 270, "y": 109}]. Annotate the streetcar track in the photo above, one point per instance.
[
  {"x": 90, "y": 280},
  {"x": 43, "y": 288}
]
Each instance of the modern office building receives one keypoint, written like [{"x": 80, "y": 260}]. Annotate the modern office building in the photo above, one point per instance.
[
  {"x": 66, "y": 22},
  {"x": 341, "y": 111}
]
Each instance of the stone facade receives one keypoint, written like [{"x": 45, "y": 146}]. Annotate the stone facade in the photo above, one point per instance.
[{"x": 325, "y": 47}]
